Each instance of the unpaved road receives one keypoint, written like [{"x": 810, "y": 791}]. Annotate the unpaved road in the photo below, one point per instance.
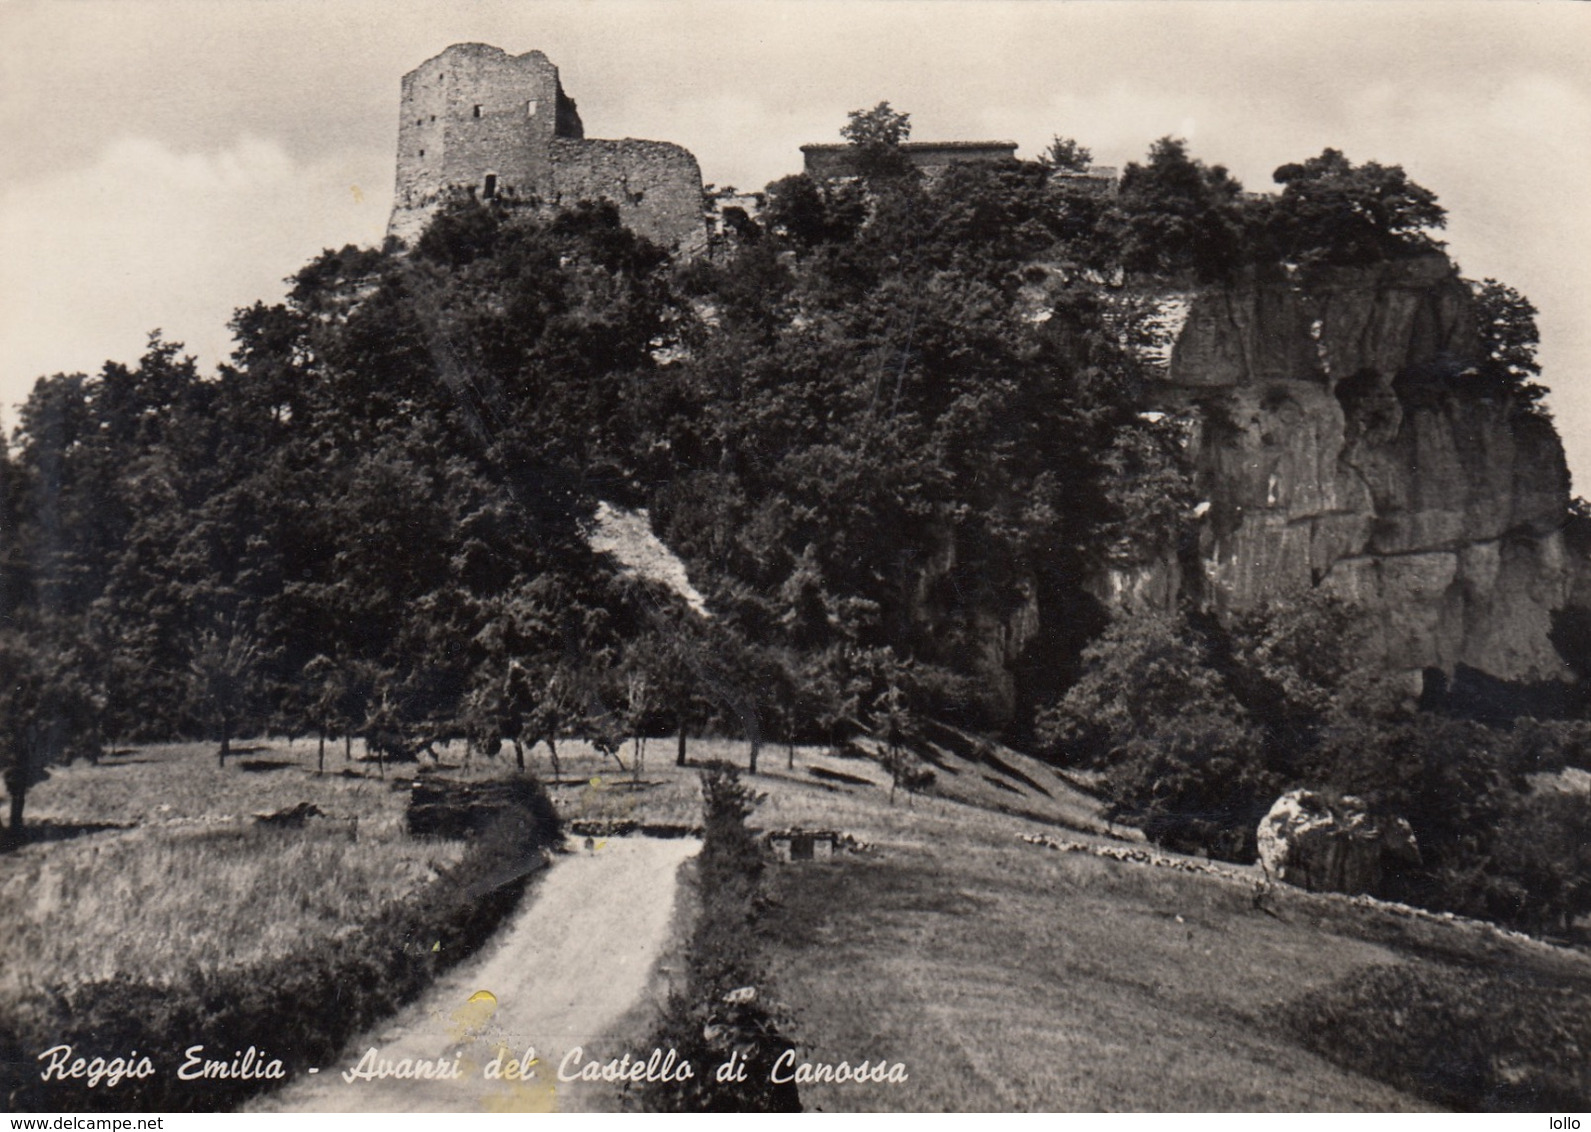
[{"x": 560, "y": 974}]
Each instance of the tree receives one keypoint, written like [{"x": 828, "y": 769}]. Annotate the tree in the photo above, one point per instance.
[
  {"x": 554, "y": 708},
  {"x": 1195, "y": 782},
  {"x": 663, "y": 666},
  {"x": 48, "y": 713},
  {"x": 1141, "y": 670},
  {"x": 1537, "y": 874},
  {"x": 1506, "y": 321},
  {"x": 880, "y": 127},
  {"x": 1296, "y": 666},
  {"x": 876, "y": 136},
  {"x": 637, "y": 708},
  {"x": 894, "y": 723},
  {"x": 806, "y": 213},
  {"x": 517, "y": 705},
  {"x": 1180, "y": 755},
  {"x": 1177, "y": 215},
  {"x": 1149, "y": 492},
  {"x": 225, "y": 672},
  {"x": 1449, "y": 778},
  {"x": 942, "y": 411},
  {"x": 325, "y": 687},
  {"x": 1067, "y": 155},
  {"x": 1335, "y": 212}
]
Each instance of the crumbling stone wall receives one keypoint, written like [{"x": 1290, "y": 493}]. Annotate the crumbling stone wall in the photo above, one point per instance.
[
  {"x": 657, "y": 186},
  {"x": 475, "y": 119}
]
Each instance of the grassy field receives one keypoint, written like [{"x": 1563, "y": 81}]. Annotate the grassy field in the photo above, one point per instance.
[
  {"x": 1003, "y": 974},
  {"x": 1008, "y": 976},
  {"x": 186, "y": 877},
  {"x": 152, "y": 863},
  {"x": 157, "y": 907}
]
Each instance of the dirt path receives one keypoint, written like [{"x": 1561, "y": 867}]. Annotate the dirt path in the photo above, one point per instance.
[{"x": 560, "y": 974}]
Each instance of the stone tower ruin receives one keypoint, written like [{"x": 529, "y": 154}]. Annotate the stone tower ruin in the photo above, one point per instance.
[{"x": 476, "y": 120}]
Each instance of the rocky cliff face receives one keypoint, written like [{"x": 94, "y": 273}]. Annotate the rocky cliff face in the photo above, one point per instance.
[{"x": 1336, "y": 447}]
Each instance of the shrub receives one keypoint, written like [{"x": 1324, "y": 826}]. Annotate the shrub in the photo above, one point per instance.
[
  {"x": 722, "y": 1008},
  {"x": 1470, "y": 1039},
  {"x": 1197, "y": 784},
  {"x": 1536, "y": 874},
  {"x": 1180, "y": 757}
]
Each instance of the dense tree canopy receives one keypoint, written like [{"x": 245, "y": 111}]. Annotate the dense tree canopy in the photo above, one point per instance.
[
  {"x": 1333, "y": 211},
  {"x": 1179, "y": 216},
  {"x": 892, "y": 425}
]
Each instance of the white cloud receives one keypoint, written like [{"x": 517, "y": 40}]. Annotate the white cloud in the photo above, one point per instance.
[
  {"x": 131, "y": 201},
  {"x": 148, "y": 236}
]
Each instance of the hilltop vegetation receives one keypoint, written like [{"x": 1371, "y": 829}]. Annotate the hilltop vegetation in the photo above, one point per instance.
[{"x": 892, "y": 425}]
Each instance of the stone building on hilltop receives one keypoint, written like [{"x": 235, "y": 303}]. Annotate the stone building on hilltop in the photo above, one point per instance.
[
  {"x": 824, "y": 160},
  {"x": 476, "y": 120},
  {"x": 834, "y": 160}
]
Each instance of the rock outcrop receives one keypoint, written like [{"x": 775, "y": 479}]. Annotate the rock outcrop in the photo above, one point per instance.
[
  {"x": 1338, "y": 442},
  {"x": 1306, "y": 841}
]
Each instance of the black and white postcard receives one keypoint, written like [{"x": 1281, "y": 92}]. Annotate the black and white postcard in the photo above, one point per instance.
[{"x": 782, "y": 556}]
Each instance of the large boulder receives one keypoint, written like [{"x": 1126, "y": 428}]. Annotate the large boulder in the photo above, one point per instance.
[{"x": 1314, "y": 843}]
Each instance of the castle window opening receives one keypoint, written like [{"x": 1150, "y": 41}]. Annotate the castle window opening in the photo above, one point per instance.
[
  {"x": 530, "y": 108},
  {"x": 422, "y": 153},
  {"x": 490, "y": 188},
  {"x": 477, "y": 110}
]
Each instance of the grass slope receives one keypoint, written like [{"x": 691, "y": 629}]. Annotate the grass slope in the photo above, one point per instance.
[
  {"x": 1003, "y": 974},
  {"x": 190, "y": 879},
  {"x": 1008, "y": 976}
]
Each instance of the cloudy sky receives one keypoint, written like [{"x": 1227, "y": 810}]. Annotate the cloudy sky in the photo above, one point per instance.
[{"x": 165, "y": 162}]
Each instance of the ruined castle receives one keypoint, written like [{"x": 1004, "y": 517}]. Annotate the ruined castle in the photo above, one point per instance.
[{"x": 476, "y": 120}]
